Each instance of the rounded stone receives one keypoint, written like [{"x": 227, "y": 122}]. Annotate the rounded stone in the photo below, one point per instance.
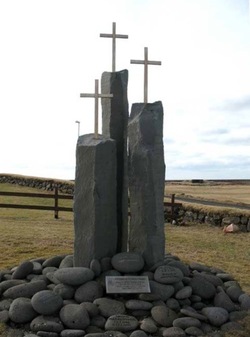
[
  {"x": 237, "y": 315},
  {"x": 106, "y": 263},
  {"x": 168, "y": 274},
  {"x": 67, "y": 262},
  {"x": 230, "y": 326},
  {"x": 74, "y": 316},
  {"x": 23, "y": 270},
  {"x": 4, "y": 316},
  {"x": 138, "y": 333},
  {"x": 21, "y": 310},
  {"x": 47, "y": 334},
  {"x": 244, "y": 300},
  {"x": 25, "y": 290},
  {"x": 74, "y": 276},
  {"x": 182, "y": 266},
  {"x": 138, "y": 305},
  {"x": 109, "y": 307},
  {"x": 53, "y": 261},
  {"x": 102, "y": 277},
  {"x": 4, "y": 285},
  {"x": 173, "y": 304},
  {"x": 127, "y": 262},
  {"x": 5, "y": 304},
  {"x": 199, "y": 267},
  {"x": 194, "y": 331},
  {"x": 148, "y": 325},
  {"x": 183, "y": 293},
  {"x": 121, "y": 323},
  {"x": 91, "y": 308},
  {"x": 234, "y": 293},
  {"x": 98, "y": 321},
  {"x": 37, "y": 268},
  {"x": 46, "y": 323},
  {"x": 65, "y": 291},
  {"x": 163, "y": 315},
  {"x": 88, "y": 292},
  {"x": 216, "y": 316},
  {"x": 174, "y": 332},
  {"x": 47, "y": 270},
  {"x": 46, "y": 302},
  {"x": 95, "y": 265},
  {"x": 72, "y": 333},
  {"x": 190, "y": 312},
  {"x": 186, "y": 322},
  {"x": 223, "y": 300},
  {"x": 215, "y": 280},
  {"x": 164, "y": 291},
  {"x": 202, "y": 287}
]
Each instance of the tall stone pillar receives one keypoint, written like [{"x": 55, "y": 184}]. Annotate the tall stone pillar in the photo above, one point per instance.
[
  {"x": 146, "y": 181},
  {"x": 95, "y": 199},
  {"x": 114, "y": 125}
]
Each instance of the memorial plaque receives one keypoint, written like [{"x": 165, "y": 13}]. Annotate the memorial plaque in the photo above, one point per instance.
[{"x": 127, "y": 284}]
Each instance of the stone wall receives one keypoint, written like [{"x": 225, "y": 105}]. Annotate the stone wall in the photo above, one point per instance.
[
  {"x": 187, "y": 215},
  {"x": 41, "y": 183}
]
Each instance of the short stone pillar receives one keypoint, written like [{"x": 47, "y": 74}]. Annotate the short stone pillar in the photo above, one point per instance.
[
  {"x": 95, "y": 199},
  {"x": 115, "y": 125},
  {"x": 146, "y": 181}
]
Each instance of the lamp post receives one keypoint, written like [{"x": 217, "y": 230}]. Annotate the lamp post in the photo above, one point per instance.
[{"x": 78, "y": 122}]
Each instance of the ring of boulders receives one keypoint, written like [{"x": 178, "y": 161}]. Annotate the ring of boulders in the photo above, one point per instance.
[{"x": 51, "y": 298}]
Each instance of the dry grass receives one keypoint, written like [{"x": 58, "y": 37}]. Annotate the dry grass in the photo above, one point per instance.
[
  {"x": 27, "y": 234},
  {"x": 223, "y": 192}
]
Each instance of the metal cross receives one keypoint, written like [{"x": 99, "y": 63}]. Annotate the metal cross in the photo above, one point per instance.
[
  {"x": 146, "y": 62},
  {"x": 96, "y": 95},
  {"x": 114, "y": 36}
]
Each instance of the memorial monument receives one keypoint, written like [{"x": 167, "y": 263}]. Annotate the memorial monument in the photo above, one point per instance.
[{"x": 101, "y": 184}]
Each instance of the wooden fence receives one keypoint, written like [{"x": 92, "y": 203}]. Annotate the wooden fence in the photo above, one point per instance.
[{"x": 56, "y": 196}]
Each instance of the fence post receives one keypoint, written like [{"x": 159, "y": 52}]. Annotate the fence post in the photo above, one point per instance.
[
  {"x": 56, "y": 203},
  {"x": 172, "y": 206}
]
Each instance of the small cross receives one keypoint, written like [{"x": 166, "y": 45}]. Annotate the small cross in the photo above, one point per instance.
[
  {"x": 96, "y": 95},
  {"x": 114, "y": 36},
  {"x": 146, "y": 62}
]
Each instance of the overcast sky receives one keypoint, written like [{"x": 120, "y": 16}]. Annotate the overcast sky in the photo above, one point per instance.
[{"x": 51, "y": 52}]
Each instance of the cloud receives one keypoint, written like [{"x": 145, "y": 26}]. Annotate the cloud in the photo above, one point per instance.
[{"x": 235, "y": 105}]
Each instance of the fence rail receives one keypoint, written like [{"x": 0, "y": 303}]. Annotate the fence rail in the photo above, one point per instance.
[{"x": 56, "y": 196}]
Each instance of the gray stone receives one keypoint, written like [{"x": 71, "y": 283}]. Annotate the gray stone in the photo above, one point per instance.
[
  {"x": 114, "y": 126},
  {"x": 216, "y": 315},
  {"x": 244, "y": 300},
  {"x": 225, "y": 277},
  {"x": 25, "y": 290},
  {"x": 164, "y": 291},
  {"x": 185, "y": 292},
  {"x": 74, "y": 276},
  {"x": 37, "y": 268},
  {"x": 190, "y": 312},
  {"x": 109, "y": 307},
  {"x": 21, "y": 310},
  {"x": 149, "y": 297},
  {"x": 194, "y": 331},
  {"x": 53, "y": 261},
  {"x": 148, "y": 325},
  {"x": 168, "y": 275},
  {"x": 47, "y": 334},
  {"x": 91, "y": 308},
  {"x": 215, "y": 280},
  {"x": 199, "y": 266},
  {"x": 95, "y": 200},
  {"x": 138, "y": 305},
  {"x": 146, "y": 181},
  {"x": 23, "y": 270},
  {"x": 182, "y": 266},
  {"x": 223, "y": 300},
  {"x": 4, "y": 316},
  {"x": 95, "y": 265},
  {"x": 65, "y": 291},
  {"x": 98, "y": 321},
  {"x": 72, "y": 333},
  {"x": 186, "y": 322},
  {"x": 74, "y": 316},
  {"x": 102, "y": 278},
  {"x": 47, "y": 270},
  {"x": 106, "y": 263},
  {"x": 88, "y": 292},
  {"x": 52, "y": 278},
  {"x": 67, "y": 262},
  {"x": 230, "y": 326},
  {"x": 5, "y": 304},
  {"x": 47, "y": 302},
  {"x": 202, "y": 287},
  {"x": 46, "y": 323},
  {"x": 121, "y": 323},
  {"x": 138, "y": 333},
  {"x": 173, "y": 304},
  {"x": 174, "y": 332},
  {"x": 163, "y": 315},
  {"x": 4, "y": 285},
  {"x": 127, "y": 262},
  {"x": 237, "y": 315}
]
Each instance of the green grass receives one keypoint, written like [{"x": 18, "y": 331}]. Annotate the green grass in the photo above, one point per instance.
[{"x": 27, "y": 234}]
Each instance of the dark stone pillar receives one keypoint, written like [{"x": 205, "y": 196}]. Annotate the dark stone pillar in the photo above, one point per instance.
[
  {"x": 146, "y": 181},
  {"x": 114, "y": 125},
  {"x": 95, "y": 200}
]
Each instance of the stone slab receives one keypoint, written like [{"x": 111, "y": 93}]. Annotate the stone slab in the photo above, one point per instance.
[
  {"x": 95, "y": 200},
  {"x": 114, "y": 126},
  {"x": 127, "y": 284}
]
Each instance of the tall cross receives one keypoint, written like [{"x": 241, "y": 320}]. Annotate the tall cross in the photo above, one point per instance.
[
  {"x": 114, "y": 36},
  {"x": 96, "y": 95},
  {"x": 146, "y": 62}
]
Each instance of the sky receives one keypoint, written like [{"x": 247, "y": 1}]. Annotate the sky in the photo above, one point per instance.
[{"x": 51, "y": 52}]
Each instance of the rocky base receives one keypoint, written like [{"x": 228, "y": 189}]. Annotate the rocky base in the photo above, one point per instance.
[{"x": 51, "y": 298}]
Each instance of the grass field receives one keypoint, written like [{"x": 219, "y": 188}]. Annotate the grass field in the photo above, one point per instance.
[{"x": 27, "y": 234}]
